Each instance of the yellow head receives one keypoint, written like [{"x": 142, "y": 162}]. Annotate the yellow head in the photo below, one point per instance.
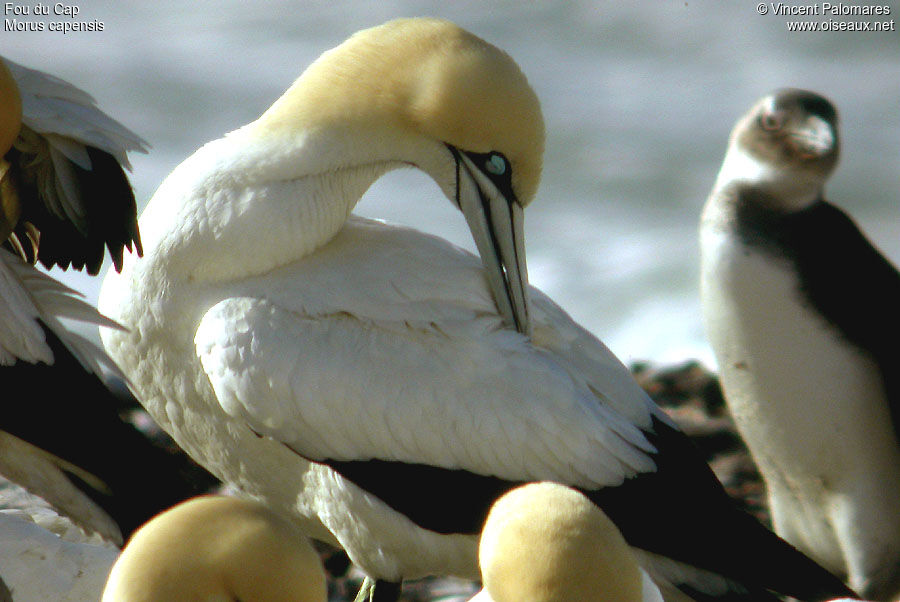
[
  {"x": 423, "y": 93},
  {"x": 428, "y": 78},
  {"x": 212, "y": 549},
  {"x": 545, "y": 542}
]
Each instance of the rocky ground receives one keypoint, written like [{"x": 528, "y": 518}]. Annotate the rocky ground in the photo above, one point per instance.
[{"x": 689, "y": 393}]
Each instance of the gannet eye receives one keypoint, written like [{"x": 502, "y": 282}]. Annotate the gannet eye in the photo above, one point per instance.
[
  {"x": 771, "y": 121},
  {"x": 496, "y": 167},
  {"x": 495, "y": 164}
]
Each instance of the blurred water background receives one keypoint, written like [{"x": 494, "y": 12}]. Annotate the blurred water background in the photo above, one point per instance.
[{"x": 638, "y": 98}]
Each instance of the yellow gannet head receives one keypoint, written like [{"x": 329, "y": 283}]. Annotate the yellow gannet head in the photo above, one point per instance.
[
  {"x": 426, "y": 77},
  {"x": 545, "y": 542},
  {"x": 427, "y": 93},
  {"x": 10, "y": 109},
  {"x": 217, "y": 548}
]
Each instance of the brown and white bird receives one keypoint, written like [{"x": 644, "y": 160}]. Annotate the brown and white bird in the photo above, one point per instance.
[{"x": 801, "y": 311}]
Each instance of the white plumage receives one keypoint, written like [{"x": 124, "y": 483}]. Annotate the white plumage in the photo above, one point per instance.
[
  {"x": 43, "y": 558},
  {"x": 257, "y": 306},
  {"x": 29, "y": 298},
  {"x": 388, "y": 327},
  {"x": 397, "y": 315},
  {"x": 327, "y": 364}
]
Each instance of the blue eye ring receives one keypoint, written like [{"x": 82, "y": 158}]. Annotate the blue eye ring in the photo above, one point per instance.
[{"x": 495, "y": 164}]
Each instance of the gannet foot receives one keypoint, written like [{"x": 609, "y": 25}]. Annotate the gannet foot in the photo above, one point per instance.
[{"x": 385, "y": 591}]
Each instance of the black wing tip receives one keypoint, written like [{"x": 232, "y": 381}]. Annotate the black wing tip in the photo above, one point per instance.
[
  {"x": 110, "y": 217},
  {"x": 703, "y": 527}
]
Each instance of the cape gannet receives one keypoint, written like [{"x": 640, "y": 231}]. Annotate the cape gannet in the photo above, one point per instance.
[
  {"x": 217, "y": 548},
  {"x": 545, "y": 542},
  {"x": 63, "y": 198},
  {"x": 377, "y": 383},
  {"x": 801, "y": 311}
]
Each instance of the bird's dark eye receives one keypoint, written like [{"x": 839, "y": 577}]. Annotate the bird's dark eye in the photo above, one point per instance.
[
  {"x": 771, "y": 121},
  {"x": 495, "y": 164}
]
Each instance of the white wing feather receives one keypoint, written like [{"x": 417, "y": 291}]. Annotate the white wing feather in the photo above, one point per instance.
[
  {"x": 53, "y": 106},
  {"x": 37, "y": 564},
  {"x": 27, "y": 296},
  {"x": 59, "y": 122},
  {"x": 422, "y": 369}
]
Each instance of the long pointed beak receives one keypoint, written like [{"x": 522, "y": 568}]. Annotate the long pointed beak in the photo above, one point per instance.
[{"x": 497, "y": 225}]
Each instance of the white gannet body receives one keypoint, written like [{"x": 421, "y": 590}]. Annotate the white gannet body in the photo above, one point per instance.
[
  {"x": 217, "y": 548},
  {"x": 378, "y": 384},
  {"x": 801, "y": 312},
  {"x": 545, "y": 542}
]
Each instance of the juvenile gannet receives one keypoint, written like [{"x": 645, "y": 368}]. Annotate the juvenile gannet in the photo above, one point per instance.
[
  {"x": 545, "y": 542},
  {"x": 801, "y": 311},
  {"x": 377, "y": 383},
  {"x": 63, "y": 197},
  {"x": 217, "y": 548}
]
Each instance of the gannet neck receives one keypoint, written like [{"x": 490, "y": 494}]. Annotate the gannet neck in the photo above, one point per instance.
[
  {"x": 417, "y": 92},
  {"x": 245, "y": 208},
  {"x": 10, "y": 109},
  {"x": 404, "y": 93}
]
